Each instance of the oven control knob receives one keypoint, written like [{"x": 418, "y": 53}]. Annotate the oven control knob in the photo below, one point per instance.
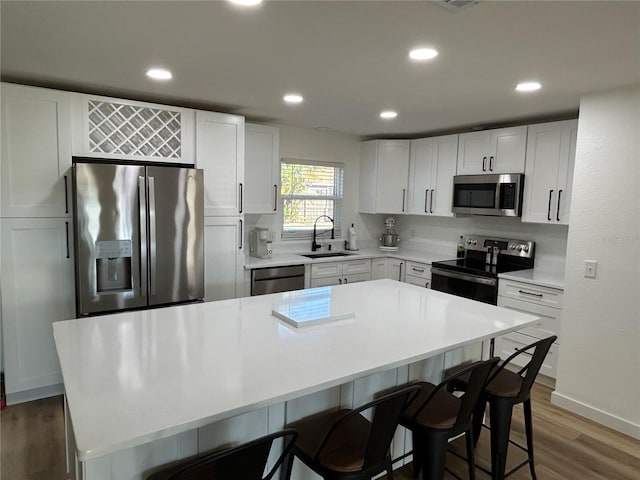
[
  {"x": 468, "y": 241},
  {"x": 526, "y": 248},
  {"x": 475, "y": 242},
  {"x": 513, "y": 247},
  {"x": 519, "y": 248}
]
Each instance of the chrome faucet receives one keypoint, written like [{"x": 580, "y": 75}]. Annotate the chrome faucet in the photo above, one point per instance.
[{"x": 315, "y": 245}]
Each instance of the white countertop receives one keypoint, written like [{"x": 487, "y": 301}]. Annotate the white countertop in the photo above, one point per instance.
[
  {"x": 535, "y": 276},
  {"x": 134, "y": 377},
  {"x": 284, "y": 259}
]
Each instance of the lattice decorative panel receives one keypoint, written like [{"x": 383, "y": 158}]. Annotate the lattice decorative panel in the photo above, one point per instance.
[{"x": 131, "y": 130}]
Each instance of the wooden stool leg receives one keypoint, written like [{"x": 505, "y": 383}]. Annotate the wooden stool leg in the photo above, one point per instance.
[
  {"x": 500, "y": 411},
  {"x": 529, "y": 430}
]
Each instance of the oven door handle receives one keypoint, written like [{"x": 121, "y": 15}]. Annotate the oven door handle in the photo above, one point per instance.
[{"x": 461, "y": 276}]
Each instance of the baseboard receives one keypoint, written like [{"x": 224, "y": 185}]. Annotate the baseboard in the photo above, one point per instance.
[
  {"x": 35, "y": 394},
  {"x": 597, "y": 415}
]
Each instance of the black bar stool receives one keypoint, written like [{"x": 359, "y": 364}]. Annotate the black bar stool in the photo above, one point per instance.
[
  {"x": 435, "y": 416},
  {"x": 344, "y": 445},
  {"x": 505, "y": 389},
  {"x": 247, "y": 462}
]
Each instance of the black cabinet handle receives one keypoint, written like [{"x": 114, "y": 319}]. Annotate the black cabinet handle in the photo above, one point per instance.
[
  {"x": 346, "y": 280},
  {"x": 340, "y": 281},
  {"x": 426, "y": 195},
  {"x": 404, "y": 190},
  {"x": 66, "y": 227},
  {"x": 529, "y": 293},
  {"x": 484, "y": 164},
  {"x": 241, "y": 236},
  {"x": 275, "y": 198},
  {"x": 400, "y": 272},
  {"x": 522, "y": 351},
  {"x": 558, "y": 209},
  {"x": 431, "y": 202},
  {"x": 66, "y": 196},
  {"x": 491, "y": 164},
  {"x": 240, "y": 198},
  {"x": 549, "y": 206}
]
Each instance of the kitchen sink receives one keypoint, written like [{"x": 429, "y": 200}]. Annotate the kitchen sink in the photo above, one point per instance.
[{"x": 327, "y": 254}]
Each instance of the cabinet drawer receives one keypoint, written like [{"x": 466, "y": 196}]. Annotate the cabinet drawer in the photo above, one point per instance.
[
  {"x": 551, "y": 297},
  {"x": 419, "y": 281},
  {"x": 421, "y": 270},
  {"x": 549, "y": 317},
  {"x": 360, "y": 266},
  {"x": 319, "y": 270},
  {"x": 512, "y": 342}
]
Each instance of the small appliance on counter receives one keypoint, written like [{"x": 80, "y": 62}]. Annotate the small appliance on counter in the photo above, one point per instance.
[
  {"x": 389, "y": 240},
  {"x": 260, "y": 245},
  {"x": 352, "y": 242},
  {"x": 475, "y": 275}
]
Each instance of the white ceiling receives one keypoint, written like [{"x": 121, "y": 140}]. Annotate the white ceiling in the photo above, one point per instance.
[{"x": 347, "y": 58}]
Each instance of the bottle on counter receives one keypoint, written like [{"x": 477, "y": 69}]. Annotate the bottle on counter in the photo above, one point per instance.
[
  {"x": 352, "y": 242},
  {"x": 460, "y": 249}
]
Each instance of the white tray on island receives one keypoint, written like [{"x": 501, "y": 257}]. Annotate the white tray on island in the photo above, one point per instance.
[{"x": 304, "y": 308}]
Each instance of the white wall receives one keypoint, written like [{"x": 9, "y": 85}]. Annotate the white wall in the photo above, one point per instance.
[
  {"x": 599, "y": 362},
  {"x": 311, "y": 144}
]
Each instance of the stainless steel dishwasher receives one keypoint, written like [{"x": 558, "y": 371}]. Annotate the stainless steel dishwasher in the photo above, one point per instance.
[{"x": 277, "y": 279}]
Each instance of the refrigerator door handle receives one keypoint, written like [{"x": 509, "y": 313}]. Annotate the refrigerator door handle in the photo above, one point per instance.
[
  {"x": 142, "y": 206},
  {"x": 152, "y": 236}
]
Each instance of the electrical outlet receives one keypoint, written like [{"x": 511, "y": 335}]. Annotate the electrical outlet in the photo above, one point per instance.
[{"x": 590, "y": 267}]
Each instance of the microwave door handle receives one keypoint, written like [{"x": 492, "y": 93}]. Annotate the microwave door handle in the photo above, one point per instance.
[
  {"x": 549, "y": 206},
  {"x": 152, "y": 235},
  {"x": 142, "y": 218}
]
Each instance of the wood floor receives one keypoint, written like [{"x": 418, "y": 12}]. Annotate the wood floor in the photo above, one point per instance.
[{"x": 567, "y": 446}]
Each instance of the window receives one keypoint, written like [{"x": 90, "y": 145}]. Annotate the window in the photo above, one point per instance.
[{"x": 308, "y": 190}]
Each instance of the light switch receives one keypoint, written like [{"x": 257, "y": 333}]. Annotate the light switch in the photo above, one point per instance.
[{"x": 590, "y": 267}]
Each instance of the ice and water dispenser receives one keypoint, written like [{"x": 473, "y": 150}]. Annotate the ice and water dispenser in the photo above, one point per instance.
[{"x": 113, "y": 266}]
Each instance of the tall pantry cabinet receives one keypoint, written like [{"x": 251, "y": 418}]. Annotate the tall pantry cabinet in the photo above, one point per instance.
[
  {"x": 220, "y": 152},
  {"x": 36, "y": 246}
]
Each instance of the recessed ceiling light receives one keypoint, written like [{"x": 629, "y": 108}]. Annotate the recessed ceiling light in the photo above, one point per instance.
[
  {"x": 293, "y": 98},
  {"x": 388, "y": 114},
  {"x": 423, "y": 53},
  {"x": 246, "y": 3},
  {"x": 528, "y": 86},
  {"x": 159, "y": 74}
]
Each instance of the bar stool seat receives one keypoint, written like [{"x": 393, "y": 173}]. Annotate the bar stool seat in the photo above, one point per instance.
[
  {"x": 343, "y": 444},
  {"x": 505, "y": 389},
  {"x": 435, "y": 416}
]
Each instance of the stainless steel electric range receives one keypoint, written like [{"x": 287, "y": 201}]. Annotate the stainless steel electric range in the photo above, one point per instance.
[{"x": 476, "y": 275}]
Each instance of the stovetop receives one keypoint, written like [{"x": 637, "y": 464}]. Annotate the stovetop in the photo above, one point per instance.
[{"x": 490, "y": 256}]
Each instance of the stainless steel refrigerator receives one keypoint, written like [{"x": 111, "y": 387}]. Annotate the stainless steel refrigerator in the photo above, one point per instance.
[{"x": 138, "y": 235}]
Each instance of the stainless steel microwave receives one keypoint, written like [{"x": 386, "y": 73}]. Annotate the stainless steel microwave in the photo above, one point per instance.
[{"x": 497, "y": 195}]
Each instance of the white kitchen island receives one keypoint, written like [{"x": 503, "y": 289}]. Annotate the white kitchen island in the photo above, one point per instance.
[{"x": 148, "y": 387}]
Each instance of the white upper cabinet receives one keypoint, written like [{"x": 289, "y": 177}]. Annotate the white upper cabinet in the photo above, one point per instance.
[
  {"x": 262, "y": 169},
  {"x": 36, "y": 152},
  {"x": 384, "y": 171},
  {"x": 501, "y": 150},
  {"x": 431, "y": 170},
  {"x": 220, "y": 152},
  {"x": 551, "y": 150},
  {"x": 119, "y": 129}
]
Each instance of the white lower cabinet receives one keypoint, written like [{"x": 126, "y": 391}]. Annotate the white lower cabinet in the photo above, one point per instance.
[
  {"x": 340, "y": 273},
  {"x": 37, "y": 290},
  {"x": 541, "y": 301},
  {"x": 224, "y": 258},
  {"x": 418, "y": 274}
]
